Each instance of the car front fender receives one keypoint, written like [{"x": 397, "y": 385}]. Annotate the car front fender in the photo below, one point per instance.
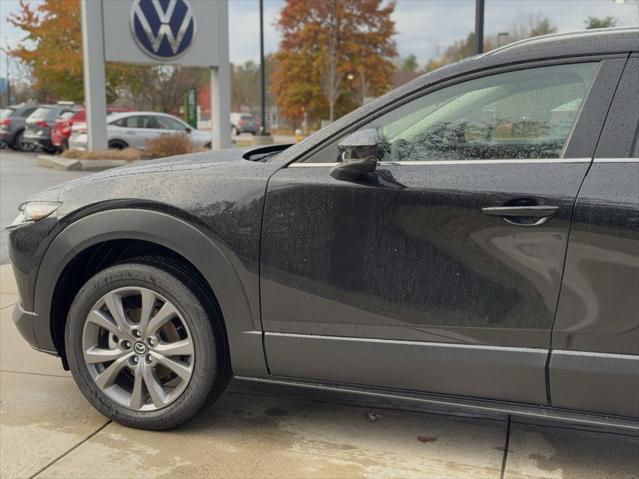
[{"x": 208, "y": 256}]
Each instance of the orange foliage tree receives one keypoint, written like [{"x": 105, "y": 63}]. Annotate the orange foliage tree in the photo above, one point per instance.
[
  {"x": 332, "y": 55},
  {"x": 52, "y": 50}
]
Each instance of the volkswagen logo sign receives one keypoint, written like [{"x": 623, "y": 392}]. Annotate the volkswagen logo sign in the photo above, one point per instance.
[{"x": 163, "y": 29}]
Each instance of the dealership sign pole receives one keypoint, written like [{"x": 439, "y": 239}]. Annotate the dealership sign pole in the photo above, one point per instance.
[
  {"x": 156, "y": 32},
  {"x": 94, "y": 77}
]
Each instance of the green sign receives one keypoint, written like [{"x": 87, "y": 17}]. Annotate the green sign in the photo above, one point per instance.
[{"x": 190, "y": 107}]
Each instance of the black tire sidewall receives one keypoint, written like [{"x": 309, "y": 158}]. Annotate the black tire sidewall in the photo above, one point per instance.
[
  {"x": 117, "y": 145},
  {"x": 16, "y": 145},
  {"x": 207, "y": 373}
]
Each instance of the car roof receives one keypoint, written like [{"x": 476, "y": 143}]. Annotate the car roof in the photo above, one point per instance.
[
  {"x": 584, "y": 43},
  {"x": 124, "y": 114},
  {"x": 594, "y": 41}
]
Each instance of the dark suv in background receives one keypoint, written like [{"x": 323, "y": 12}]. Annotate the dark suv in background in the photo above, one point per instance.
[
  {"x": 12, "y": 124},
  {"x": 41, "y": 123},
  {"x": 470, "y": 238}
]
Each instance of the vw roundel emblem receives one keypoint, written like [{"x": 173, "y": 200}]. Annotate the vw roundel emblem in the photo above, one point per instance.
[{"x": 164, "y": 29}]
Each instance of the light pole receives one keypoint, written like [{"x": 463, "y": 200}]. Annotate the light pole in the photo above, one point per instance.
[
  {"x": 479, "y": 26},
  {"x": 262, "y": 73},
  {"x": 263, "y": 137}
]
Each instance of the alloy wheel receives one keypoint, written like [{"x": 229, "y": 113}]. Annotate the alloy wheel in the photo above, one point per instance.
[
  {"x": 138, "y": 349},
  {"x": 24, "y": 145}
]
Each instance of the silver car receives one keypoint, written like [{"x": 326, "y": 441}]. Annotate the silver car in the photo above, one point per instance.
[{"x": 134, "y": 128}]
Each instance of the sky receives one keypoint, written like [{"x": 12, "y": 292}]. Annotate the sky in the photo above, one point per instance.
[{"x": 424, "y": 27}]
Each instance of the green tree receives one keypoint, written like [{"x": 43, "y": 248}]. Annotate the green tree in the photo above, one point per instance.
[
  {"x": 410, "y": 63},
  {"x": 594, "y": 22},
  {"x": 542, "y": 27},
  {"x": 245, "y": 81}
]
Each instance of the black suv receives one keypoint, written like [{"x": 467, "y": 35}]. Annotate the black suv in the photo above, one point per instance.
[{"x": 470, "y": 238}]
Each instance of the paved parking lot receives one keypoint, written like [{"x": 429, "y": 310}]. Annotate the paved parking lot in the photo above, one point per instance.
[{"x": 47, "y": 429}]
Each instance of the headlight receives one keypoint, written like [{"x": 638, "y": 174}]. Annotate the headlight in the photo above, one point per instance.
[{"x": 33, "y": 211}]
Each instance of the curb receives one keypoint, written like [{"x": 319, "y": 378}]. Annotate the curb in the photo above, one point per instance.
[{"x": 68, "y": 164}]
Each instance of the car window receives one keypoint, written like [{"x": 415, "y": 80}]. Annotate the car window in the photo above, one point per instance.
[
  {"x": 41, "y": 112},
  {"x": 136, "y": 121},
  {"x": 525, "y": 114},
  {"x": 5, "y": 112},
  {"x": 168, "y": 123},
  {"x": 28, "y": 111}
]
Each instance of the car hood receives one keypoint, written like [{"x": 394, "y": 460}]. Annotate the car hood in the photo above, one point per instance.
[
  {"x": 192, "y": 161},
  {"x": 191, "y": 183}
]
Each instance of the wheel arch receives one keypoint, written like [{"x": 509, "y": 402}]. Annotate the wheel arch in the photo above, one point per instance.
[
  {"x": 16, "y": 132},
  {"x": 118, "y": 140},
  {"x": 161, "y": 232}
]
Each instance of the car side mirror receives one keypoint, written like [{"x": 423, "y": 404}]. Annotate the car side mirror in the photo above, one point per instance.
[
  {"x": 358, "y": 154},
  {"x": 188, "y": 130}
]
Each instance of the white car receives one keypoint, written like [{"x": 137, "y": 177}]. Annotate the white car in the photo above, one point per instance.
[{"x": 134, "y": 128}]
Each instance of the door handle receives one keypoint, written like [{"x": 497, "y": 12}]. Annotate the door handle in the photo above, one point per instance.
[
  {"x": 532, "y": 215},
  {"x": 521, "y": 211}
]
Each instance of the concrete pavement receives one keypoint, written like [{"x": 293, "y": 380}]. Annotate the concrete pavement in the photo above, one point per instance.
[{"x": 47, "y": 429}]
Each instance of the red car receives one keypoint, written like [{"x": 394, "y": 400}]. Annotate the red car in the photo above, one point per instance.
[{"x": 62, "y": 127}]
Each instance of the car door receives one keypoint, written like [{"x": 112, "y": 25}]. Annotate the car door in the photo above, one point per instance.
[
  {"x": 410, "y": 277},
  {"x": 595, "y": 359},
  {"x": 133, "y": 130},
  {"x": 166, "y": 125}
]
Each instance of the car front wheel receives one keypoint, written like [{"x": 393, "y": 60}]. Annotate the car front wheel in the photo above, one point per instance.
[{"x": 143, "y": 347}]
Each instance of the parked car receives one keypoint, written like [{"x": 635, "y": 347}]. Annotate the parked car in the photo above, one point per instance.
[
  {"x": 12, "y": 123},
  {"x": 62, "y": 127},
  {"x": 133, "y": 129},
  {"x": 470, "y": 239},
  {"x": 243, "y": 123},
  {"x": 39, "y": 125}
]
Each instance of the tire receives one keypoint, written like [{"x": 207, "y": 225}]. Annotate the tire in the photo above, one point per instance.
[
  {"x": 117, "y": 145},
  {"x": 49, "y": 150},
  {"x": 195, "y": 322},
  {"x": 20, "y": 145},
  {"x": 236, "y": 131}
]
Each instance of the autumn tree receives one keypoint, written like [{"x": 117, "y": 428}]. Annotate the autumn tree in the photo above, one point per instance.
[
  {"x": 162, "y": 87},
  {"x": 52, "y": 50},
  {"x": 332, "y": 54}
]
